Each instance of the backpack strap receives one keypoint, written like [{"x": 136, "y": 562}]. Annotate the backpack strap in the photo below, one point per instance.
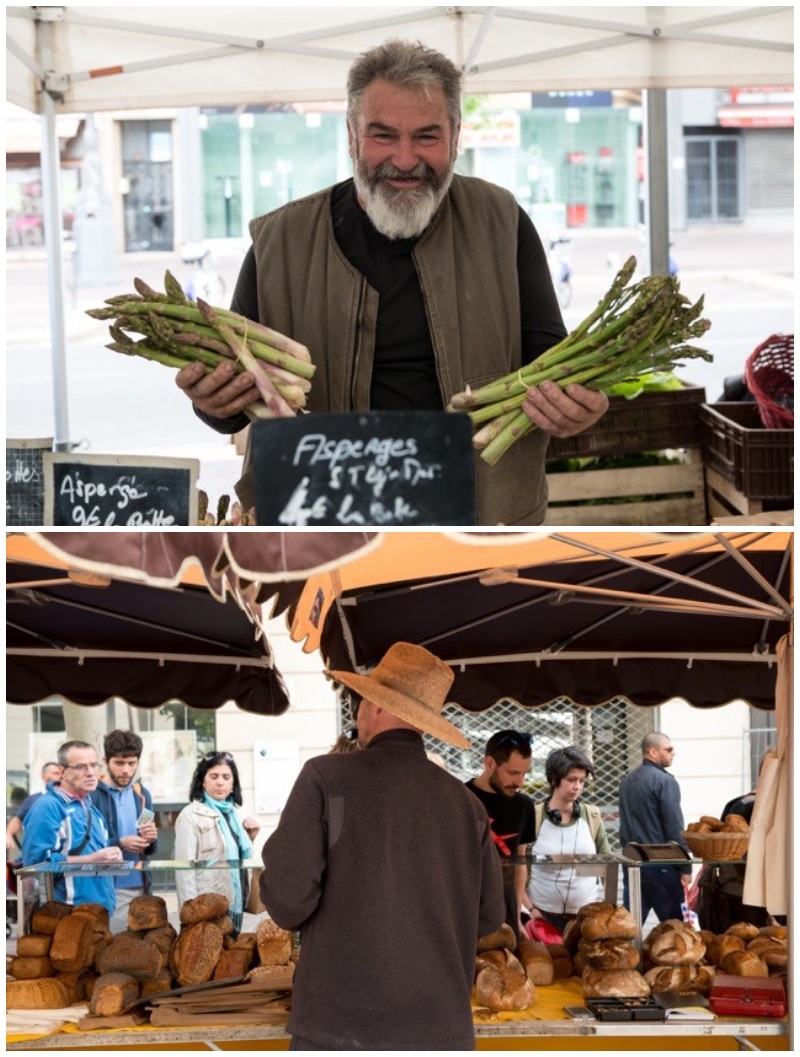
[
  {"x": 593, "y": 818},
  {"x": 538, "y": 816}
]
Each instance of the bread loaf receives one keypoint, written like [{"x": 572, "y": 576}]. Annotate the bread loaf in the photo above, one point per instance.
[
  {"x": 195, "y": 953},
  {"x": 687, "y": 979},
  {"x": 233, "y": 963},
  {"x": 156, "y": 986},
  {"x": 31, "y": 967},
  {"x": 147, "y": 912},
  {"x": 744, "y": 930},
  {"x": 224, "y": 924},
  {"x": 274, "y": 943},
  {"x": 614, "y": 983},
  {"x": 74, "y": 940},
  {"x": 500, "y": 959},
  {"x": 113, "y": 993},
  {"x": 33, "y": 946},
  {"x": 590, "y": 909},
  {"x": 609, "y": 954},
  {"x": 133, "y": 957},
  {"x": 674, "y": 943},
  {"x": 779, "y": 932},
  {"x": 770, "y": 950},
  {"x": 246, "y": 940},
  {"x": 47, "y": 916},
  {"x": 501, "y": 989},
  {"x": 46, "y": 993},
  {"x": 572, "y": 935},
  {"x": 562, "y": 962},
  {"x": 162, "y": 937},
  {"x": 722, "y": 945},
  {"x": 736, "y": 824},
  {"x": 578, "y": 964},
  {"x": 537, "y": 962},
  {"x": 503, "y": 937},
  {"x": 96, "y": 911},
  {"x": 609, "y": 923},
  {"x": 75, "y": 984},
  {"x": 204, "y": 907},
  {"x": 744, "y": 963}
]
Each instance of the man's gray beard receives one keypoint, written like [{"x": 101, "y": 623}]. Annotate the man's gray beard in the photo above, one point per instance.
[{"x": 399, "y": 214}]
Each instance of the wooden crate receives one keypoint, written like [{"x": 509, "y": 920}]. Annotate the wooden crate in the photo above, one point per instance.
[
  {"x": 680, "y": 490},
  {"x": 722, "y": 498}
]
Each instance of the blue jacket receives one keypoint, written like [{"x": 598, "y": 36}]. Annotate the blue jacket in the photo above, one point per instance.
[
  {"x": 104, "y": 802},
  {"x": 650, "y": 807},
  {"x": 55, "y": 827}
]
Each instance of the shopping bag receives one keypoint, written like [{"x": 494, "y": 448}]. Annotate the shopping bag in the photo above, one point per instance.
[{"x": 542, "y": 931}]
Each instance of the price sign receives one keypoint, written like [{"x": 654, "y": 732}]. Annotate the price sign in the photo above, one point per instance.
[
  {"x": 25, "y": 481},
  {"x": 120, "y": 490},
  {"x": 365, "y": 468}
]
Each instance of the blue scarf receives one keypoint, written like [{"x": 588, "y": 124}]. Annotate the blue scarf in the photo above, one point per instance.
[{"x": 233, "y": 850}]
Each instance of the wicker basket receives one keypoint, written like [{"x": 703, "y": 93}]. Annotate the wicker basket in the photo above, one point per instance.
[
  {"x": 769, "y": 373},
  {"x": 717, "y": 845}
]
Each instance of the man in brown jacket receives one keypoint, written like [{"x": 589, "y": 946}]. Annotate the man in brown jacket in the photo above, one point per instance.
[
  {"x": 385, "y": 864},
  {"x": 408, "y": 283}
]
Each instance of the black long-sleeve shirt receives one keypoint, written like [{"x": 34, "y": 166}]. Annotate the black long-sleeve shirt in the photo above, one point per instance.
[{"x": 650, "y": 806}]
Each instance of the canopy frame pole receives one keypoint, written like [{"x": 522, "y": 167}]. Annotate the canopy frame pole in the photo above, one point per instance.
[
  {"x": 754, "y": 574},
  {"x": 618, "y": 655},
  {"x": 74, "y": 653}
]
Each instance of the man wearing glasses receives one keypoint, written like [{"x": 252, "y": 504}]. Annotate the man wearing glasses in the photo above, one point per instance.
[
  {"x": 506, "y": 765},
  {"x": 63, "y": 826}
]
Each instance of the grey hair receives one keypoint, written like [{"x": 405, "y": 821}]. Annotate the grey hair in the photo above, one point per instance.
[
  {"x": 65, "y": 749},
  {"x": 405, "y": 64}
]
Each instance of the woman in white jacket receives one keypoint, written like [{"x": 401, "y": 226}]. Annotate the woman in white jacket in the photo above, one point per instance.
[{"x": 210, "y": 828}]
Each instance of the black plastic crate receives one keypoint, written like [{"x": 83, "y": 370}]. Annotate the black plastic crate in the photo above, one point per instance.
[{"x": 758, "y": 462}]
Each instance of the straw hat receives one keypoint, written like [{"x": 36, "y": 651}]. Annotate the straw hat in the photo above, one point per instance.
[{"x": 411, "y": 684}]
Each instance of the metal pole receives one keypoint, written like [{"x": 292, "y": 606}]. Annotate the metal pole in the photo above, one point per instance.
[
  {"x": 51, "y": 208},
  {"x": 656, "y": 204}
]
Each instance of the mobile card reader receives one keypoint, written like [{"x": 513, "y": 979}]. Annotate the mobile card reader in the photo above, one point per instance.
[{"x": 669, "y": 851}]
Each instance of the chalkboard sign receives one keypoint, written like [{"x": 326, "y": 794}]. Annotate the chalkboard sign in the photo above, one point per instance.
[
  {"x": 25, "y": 481},
  {"x": 119, "y": 490},
  {"x": 364, "y": 468}
]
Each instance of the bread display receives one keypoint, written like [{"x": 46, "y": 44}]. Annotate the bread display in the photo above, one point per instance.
[
  {"x": 47, "y": 916},
  {"x": 195, "y": 953},
  {"x": 537, "y": 962},
  {"x": 75, "y": 940},
  {"x": 233, "y": 963},
  {"x": 47, "y": 993},
  {"x": 686, "y": 979},
  {"x": 744, "y": 963},
  {"x": 607, "y": 922},
  {"x": 147, "y": 912},
  {"x": 134, "y": 957},
  {"x": 503, "y": 989},
  {"x": 609, "y": 954},
  {"x": 674, "y": 943},
  {"x": 744, "y": 930},
  {"x": 33, "y": 946},
  {"x": 770, "y": 950},
  {"x": 614, "y": 983},
  {"x": 204, "y": 907},
  {"x": 779, "y": 932},
  {"x": 31, "y": 967},
  {"x": 710, "y": 824},
  {"x": 719, "y": 946},
  {"x": 503, "y": 937},
  {"x": 113, "y": 993},
  {"x": 96, "y": 911},
  {"x": 274, "y": 943},
  {"x": 162, "y": 937}
]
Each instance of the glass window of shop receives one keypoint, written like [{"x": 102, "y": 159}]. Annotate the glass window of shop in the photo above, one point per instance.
[{"x": 147, "y": 185}]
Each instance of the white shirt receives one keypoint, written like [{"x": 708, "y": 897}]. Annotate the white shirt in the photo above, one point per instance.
[{"x": 558, "y": 889}]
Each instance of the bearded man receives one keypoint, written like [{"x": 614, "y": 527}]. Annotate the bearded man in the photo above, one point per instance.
[{"x": 407, "y": 283}]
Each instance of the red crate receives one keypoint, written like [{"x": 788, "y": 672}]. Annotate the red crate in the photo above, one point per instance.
[{"x": 758, "y": 462}]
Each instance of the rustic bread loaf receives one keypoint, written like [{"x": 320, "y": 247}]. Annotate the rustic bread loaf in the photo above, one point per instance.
[
  {"x": 779, "y": 932},
  {"x": 224, "y": 924},
  {"x": 502, "y": 937},
  {"x": 31, "y": 967},
  {"x": 572, "y": 935},
  {"x": 608, "y": 923},
  {"x": 47, "y": 916},
  {"x": 74, "y": 940},
  {"x": 33, "y": 946},
  {"x": 235, "y": 962},
  {"x": 195, "y": 953},
  {"x": 609, "y": 954},
  {"x": 133, "y": 957},
  {"x": 722, "y": 945},
  {"x": 162, "y": 937},
  {"x": 736, "y": 824},
  {"x": 501, "y": 989},
  {"x": 96, "y": 911},
  {"x": 687, "y": 979},
  {"x": 75, "y": 983},
  {"x": 562, "y": 962},
  {"x": 112, "y": 994},
  {"x": 744, "y": 930},
  {"x": 744, "y": 963},
  {"x": 204, "y": 907},
  {"x": 537, "y": 962},
  {"x": 246, "y": 940},
  {"x": 147, "y": 912},
  {"x": 673, "y": 943},
  {"x": 578, "y": 964},
  {"x": 44, "y": 993},
  {"x": 156, "y": 986},
  {"x": 274, "y": 943},
  {"x": 614, "y": 983}
]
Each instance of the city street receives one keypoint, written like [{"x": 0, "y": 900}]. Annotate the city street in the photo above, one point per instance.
[{"x": 122, "y": 405}]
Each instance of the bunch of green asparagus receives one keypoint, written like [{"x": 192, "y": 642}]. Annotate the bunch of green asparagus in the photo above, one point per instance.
[
  {"x": 633, "y": 330},
  {"x": 178, "y": 331},
  {"x": 227, "y": 513}
]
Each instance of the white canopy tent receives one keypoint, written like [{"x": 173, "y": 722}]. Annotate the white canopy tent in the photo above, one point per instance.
[{"x": 85, "y": 59}]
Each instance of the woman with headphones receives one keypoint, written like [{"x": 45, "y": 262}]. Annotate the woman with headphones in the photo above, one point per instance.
[{"x": 565, "y": 826}]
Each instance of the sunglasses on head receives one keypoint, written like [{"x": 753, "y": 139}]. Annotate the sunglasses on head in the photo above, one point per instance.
[
  {"x": 350, "y": 734},
  {"x": 510, "y": 737},
  {"x": 218, "y": 755}
]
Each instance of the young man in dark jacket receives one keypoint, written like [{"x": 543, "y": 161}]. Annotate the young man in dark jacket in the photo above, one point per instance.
[
  {"x": 121, "y": 801},
  {"x": 385, "y": 863}
]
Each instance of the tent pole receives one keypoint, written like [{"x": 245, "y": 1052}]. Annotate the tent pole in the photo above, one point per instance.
[
  {"x": 657, "y": 200},
  {"x": 51, "y": 207}
]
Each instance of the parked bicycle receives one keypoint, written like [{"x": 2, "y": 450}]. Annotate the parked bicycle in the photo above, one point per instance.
[
  {"x": 204, "y": 282},
  {"x": 560, "y": 268}
]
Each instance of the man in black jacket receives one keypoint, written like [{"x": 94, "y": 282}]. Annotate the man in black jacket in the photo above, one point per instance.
[
  {"x": 121, "y": 801},
  {"x": 650, "y": 813}
]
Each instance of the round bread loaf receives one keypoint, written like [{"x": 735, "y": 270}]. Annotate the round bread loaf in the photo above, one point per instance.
[
  {"x": 609, "y": 954},
  {"x": 779, "y": 932},
  {"x": 736, "y": 824},
  {"x": 588, "y": 909},
  {"x": 770, "y": 950},
  {"x": 134, "y": 957},
  {"x": 614, "y": 983},
  {"x": 274, "y": 943},
  {"x": 744, "y": 963},
  {"x": 499, "y": 989},
  {"x": 609, "y": 923},
  {"x": 195, "y": 953},
  {"x": 503, "y": 937},
  {"x": 147, "y": 912},
  {"x": 722, "y": 945},
  {"x": 744, "y": 930},
  {"x": 674, "y": 943},
  {"x": 163, "y": 938},
  {"x": 686, "y": 979},
  {"x": 204, "y": 907}
]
